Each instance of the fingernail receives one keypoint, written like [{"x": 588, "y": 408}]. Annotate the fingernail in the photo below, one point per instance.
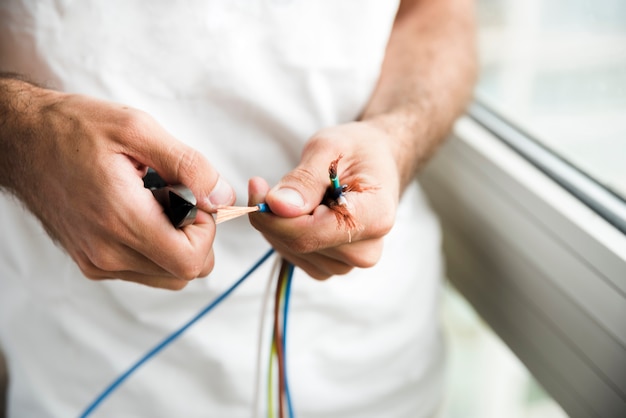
[
  {"x": 289, "y": 196},
  {"x": 222, "y": 193}
]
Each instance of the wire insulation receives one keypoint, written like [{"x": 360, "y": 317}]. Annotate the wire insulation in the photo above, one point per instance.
[
  {"x": 169, "y": 339},
  {"x": 261, "y": 335},
  {"x": 278, "y": 341},
  {"x": 278, "y": 388},
  {"x": 287, "y": 296}
]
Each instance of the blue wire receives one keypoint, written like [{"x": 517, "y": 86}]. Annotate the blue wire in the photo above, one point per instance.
[
  {"x": 168, "y": 340},
  {"x": 284, "y": 342}
]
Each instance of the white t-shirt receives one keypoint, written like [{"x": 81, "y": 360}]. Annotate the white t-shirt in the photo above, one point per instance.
[{"x": 246, "y": 82}]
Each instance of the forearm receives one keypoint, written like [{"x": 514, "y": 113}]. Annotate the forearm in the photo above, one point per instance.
[
  {"x": 426, "y": 79},
  {"x": 20, "y": 102}
]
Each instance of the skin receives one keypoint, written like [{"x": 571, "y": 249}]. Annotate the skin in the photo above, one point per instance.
[
  {"x": 79, "y": 161},
  {"x": 426, "y": 80},
  {"x": 74, "y": 160}
]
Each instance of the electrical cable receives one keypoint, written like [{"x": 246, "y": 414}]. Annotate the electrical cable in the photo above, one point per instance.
[
  {"x": 290, "y": 270},
  {"x": 259, "y": 356},
  {"x": 335, "y": 199},
  {"x": 270, "y": 382},
  {"x": 169, "y": 339},
  {"x": 278, "y": 346},
  {"x": 277, "y": 342}
]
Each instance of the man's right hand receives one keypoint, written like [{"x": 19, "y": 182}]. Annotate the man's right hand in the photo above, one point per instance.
[{"x": 77, "y": 163}]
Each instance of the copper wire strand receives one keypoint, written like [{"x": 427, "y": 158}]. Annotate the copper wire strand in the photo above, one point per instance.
[
  {"x": 356, "y": 185},
  {"x": 226, "y": 213},
  {"x": 332, "y": 169},
  {"x": 345, "y": 218}
]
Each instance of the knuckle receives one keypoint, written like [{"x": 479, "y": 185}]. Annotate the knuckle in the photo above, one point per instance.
[
  {"x": 382, "y": 226},
  {"x": 88, "y": 269},
  {"x": 138, "y": 118},
  {"x": 325, "y": 268},
  {"x": 366, "y": 256},
  {"x": 322, "y": 140},
  {"x": 342, "y": 269},
  {"x": 189, "y": 271},
  {"x": 366, "y": 262},
  {"x": 305, "y": 177},
  {"x": 106, "y": 259},
  {"x": 208, "y": 267},
  {"x": 196, "y": 261},
  {"x": 305, "y": 245},
  {"x": 320, "y": 276},
  {"x": 91, "y": 273},
  {"x": 135, "y": 122},
  {"x": 176, "y": 285},
  {"x": 186, "y": 165},
  {"x": 316, "y": 273}
]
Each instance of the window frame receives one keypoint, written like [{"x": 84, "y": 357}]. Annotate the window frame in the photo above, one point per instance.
[
  {"x": 541, "y": 260},
  {"x": 603, "y": 201}
]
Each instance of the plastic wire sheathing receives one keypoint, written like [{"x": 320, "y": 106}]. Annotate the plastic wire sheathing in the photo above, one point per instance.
[
  {"x": 264, "y": 208},
  {"x": 284, "y": 342},
  {"x": 168, "y": 340}
]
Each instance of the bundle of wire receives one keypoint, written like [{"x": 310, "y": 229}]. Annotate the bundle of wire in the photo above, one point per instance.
[
  {"x": 279, "y": 398},
  {"x": 108, "y": 391}
]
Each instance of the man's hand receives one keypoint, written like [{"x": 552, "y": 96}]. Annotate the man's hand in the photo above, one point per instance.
[
  {"x": 77, "y": 163},
  {"x": 306, "y": 232},
  {"x": 425, "y": 82}
]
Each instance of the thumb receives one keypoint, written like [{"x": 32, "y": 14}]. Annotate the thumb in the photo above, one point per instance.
[
  {"x": 177, "y": 163},
  {"x": 301, "y": 190}
]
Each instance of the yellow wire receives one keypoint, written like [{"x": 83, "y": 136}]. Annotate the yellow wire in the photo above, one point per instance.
[
  {"x": 273, "y": 353},
  {"x": 270, "y": 383}
]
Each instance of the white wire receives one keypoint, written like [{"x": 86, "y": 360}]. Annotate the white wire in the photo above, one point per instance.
[{"x": 257, "y": 378}]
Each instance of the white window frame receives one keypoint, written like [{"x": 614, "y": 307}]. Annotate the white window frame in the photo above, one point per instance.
[{"x": 546, "y": 271}]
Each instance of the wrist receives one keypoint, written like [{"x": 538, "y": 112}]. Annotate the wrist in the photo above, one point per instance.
[{"x": 402, "y": 130}]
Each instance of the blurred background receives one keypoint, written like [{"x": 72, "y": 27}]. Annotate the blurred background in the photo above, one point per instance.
[
  {"x": 557, "y": 70},
  {"x": 485, "y": 379}
]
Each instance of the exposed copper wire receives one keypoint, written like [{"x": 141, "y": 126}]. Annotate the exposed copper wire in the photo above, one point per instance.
[
  {"x": 332, "y": 169},
  {"x": 345, "y": 218},
  {"x": 356, "y": 185},
  {"x": 226, "y": 213}
]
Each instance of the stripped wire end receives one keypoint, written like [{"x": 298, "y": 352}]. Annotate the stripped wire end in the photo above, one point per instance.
[
  {"x": 226, "y": 213},
  {"x": 332, "y": 173},
  {"x": 335, "y": 197}
]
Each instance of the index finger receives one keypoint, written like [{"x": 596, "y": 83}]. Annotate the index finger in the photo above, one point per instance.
[{"x": 178, "y": 163}]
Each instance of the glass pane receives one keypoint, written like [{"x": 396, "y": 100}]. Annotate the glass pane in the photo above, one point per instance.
[
  {"x": 485, "y": 379},
  {"x": 557, "y": 69}
]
